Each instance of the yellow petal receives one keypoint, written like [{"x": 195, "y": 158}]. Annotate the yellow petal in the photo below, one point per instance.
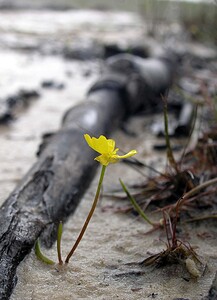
[
  {"x": 129, "y": 154},
  {"x": 115, "y": 151},
  {"x": 101, "y": 145},
  {"x": 88, "y": 140},
  {"x": 103, "y": 159},
  {"x": 111, "y": 145}
]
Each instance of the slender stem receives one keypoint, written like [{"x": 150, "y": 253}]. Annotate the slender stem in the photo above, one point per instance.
[
  {"x": 194, "y": 118},
  {"x": 169, "y": 149},
  {"x": 202, "y": 218},
  {"x": 59, "y": 237},
  {"x": 135, "y": 204},
  {"x": 166, "y": 228},
  {"x": 89, "y": 215},
  {"x": 197, "y": 189},
  {"x": 41, "y": 256}
]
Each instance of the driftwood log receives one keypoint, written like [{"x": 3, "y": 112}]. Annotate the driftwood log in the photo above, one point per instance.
[{"x": 53, "y": 187}]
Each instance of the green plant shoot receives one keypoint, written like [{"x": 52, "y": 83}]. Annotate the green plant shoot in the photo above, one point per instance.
[
  {"x": 136, "y": 205},
  {"x": 41, "y": 256},
  {"x": 108, "y": 154}
]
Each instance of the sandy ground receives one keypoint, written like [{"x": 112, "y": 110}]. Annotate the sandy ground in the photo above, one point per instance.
[{"x": 99, "y": 269}]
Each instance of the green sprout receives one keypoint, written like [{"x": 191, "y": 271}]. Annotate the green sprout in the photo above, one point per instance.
[
  {"x": 41, "y": 256},
  {"x": 170, "y": 155},
  {"x": 136, "y": 205}
]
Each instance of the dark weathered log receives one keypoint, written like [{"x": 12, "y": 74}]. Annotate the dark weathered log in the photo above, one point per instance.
[
  {"x": 53, "y": 187},
  {"x": 155, "y": 75}
]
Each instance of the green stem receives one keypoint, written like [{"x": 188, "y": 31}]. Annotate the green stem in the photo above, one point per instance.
[
  {"x": 135, "y": 204},
  {"x": 89, "y": 215},
  {"x": 59, "y": 237},
  {"x": 169, "y": 149},
  {"x": 41, "y": 256}
]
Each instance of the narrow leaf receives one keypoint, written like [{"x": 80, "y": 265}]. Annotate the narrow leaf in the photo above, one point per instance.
[
  {"x": 59, "y": 237},
  {"x": 41, "y": 256},
  {"x": 135, "y": 204}
]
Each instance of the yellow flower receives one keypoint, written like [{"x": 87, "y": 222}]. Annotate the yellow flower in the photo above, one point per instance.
[{"x": 106, "y": 147}]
